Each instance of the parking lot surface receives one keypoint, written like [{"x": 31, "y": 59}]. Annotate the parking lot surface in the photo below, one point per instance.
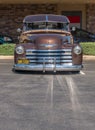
[{"x": 49, "y": 101}]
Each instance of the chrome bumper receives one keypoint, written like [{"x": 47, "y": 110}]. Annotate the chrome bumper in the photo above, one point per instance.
[{"x": 47, "y": 67}]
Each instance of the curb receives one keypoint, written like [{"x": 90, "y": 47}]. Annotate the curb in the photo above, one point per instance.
[
  {"x": 85, "y": 57},
  {"x": 6, "y": 57}
]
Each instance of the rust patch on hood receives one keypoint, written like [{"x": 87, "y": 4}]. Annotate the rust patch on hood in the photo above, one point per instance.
[{"x": 48, "y": 42}]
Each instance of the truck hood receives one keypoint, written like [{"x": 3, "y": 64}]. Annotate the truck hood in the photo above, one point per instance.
[{"x": 47, "y": 41}]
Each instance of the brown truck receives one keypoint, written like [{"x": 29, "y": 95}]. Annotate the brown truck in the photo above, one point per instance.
[{"x": 46, "y": 44}]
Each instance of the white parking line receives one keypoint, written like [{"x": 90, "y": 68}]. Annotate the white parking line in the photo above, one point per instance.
[{"x": 82, "y": 73}]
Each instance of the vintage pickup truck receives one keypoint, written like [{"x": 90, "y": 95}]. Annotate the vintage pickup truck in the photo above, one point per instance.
[{"x": 46, "y": 44}]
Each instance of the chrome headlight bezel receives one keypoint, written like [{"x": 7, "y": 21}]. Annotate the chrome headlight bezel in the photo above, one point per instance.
[
  {"x": 19, "y": 50},
  {"x": 77, "y": 50}
]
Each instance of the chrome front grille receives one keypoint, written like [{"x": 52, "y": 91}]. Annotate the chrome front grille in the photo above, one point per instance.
[{"x": 63, "y": 56}]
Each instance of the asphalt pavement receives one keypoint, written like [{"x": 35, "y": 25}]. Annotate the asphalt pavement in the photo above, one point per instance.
[{"x": 47, "y": 101}]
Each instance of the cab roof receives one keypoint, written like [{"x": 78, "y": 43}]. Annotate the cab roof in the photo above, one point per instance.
[{"x": 46, "y": 18}]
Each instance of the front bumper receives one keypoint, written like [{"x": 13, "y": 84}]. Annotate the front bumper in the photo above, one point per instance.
[{"x": 47, "y": 67}]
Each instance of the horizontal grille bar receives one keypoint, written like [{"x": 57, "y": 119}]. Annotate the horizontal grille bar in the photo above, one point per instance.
[
  {"x": 51, "y": 61},
  {"x": 30, "y": 51},
  {"x": 48, "y": 57},
  {"x": 49, "y": 54}
]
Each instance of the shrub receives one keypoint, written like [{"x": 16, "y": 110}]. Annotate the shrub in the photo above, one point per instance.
[
  {"x": 88, "y": 48},
  {"x": 7, "y": 49}
]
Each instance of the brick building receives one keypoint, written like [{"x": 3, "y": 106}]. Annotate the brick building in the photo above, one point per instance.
[{"x": 80, "y": 12}]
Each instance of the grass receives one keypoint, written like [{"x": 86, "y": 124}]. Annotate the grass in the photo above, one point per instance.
[
  {"x": 88, "y": 48},
  {"x": 7, "y": 49}
]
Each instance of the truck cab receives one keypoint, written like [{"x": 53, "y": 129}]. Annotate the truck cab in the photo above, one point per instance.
[{"x": 46, "y": 44}]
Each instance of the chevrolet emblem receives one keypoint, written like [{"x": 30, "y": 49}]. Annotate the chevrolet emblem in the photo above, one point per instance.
[{"x": 48, "y": 45}]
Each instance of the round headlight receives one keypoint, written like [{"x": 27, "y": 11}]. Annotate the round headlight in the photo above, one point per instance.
[
  {"x": 77, "y": 50},
  {"x": 19, "y": 50}
]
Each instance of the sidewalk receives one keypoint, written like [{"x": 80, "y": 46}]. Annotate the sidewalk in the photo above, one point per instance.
[{"x": 85, "y": 57}]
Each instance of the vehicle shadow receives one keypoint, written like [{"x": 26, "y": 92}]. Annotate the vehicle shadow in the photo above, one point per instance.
[{"x": 47, "y": 72}]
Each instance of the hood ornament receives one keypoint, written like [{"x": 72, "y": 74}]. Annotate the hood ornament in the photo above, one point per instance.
[{"x": 48, "y": 45}]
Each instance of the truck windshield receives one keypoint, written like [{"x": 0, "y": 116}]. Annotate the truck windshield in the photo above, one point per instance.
[{"x": 45, "y": 25}]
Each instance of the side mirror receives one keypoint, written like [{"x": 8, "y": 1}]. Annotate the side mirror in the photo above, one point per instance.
[
  {"x": 19, "y": 30},
  {"x": 73, "y": 29}
]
